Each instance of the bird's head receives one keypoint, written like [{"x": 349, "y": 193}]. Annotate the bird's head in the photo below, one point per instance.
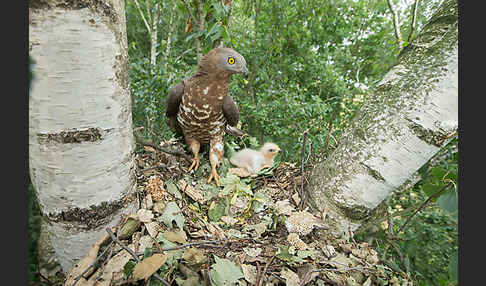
[
  {"x": 225, "y": 60},
  {"x": 270, "y": 150}
]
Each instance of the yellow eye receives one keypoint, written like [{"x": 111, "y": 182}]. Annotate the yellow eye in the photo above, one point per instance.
[{"x": 231, "y": 60}]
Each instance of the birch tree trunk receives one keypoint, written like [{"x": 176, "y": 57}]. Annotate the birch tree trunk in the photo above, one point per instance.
[
  {"x": 81, "y": 144},
  {"x": 411, "y": 115}
]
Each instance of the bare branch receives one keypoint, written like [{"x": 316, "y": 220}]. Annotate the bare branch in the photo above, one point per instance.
[
  {"x": 140, "y": 140},
  {"x": 413, "y": 24},
  {"x": 153, "y": 36},
  {"x": 143, "y": 17},
  {"x": 396, "y": 22}
]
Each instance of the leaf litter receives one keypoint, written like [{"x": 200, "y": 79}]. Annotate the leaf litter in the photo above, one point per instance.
[{"x": 247, "y": 232}]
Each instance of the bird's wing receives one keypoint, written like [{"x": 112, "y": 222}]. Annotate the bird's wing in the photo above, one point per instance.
[
  {"x": 232, "y": 115},
  {"x": 174, "y": 99},
  {"x": 230, "y": 111}
]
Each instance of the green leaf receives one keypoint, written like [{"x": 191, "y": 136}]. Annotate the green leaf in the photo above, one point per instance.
[
  {"x": 232, "y": 183},
  {"x": 448, "y": 202},
  {"x": 430, "y": 188},
  {"x": 225, "y": 272},
  {"x": 284, "y": 253},
  {"x": 219, "y": 209},
  {"x": 172, "y": 189},
  {"x": 128, "y": 268}
]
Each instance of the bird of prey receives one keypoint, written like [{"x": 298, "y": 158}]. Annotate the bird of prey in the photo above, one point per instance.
[
  {"x": 253, "y": 161},
  {"x": 200, "y": 108}
]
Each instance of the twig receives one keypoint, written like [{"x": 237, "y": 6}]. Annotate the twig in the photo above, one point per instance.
[
  {"x": 187, "y": 245},
  {"x": 92, "y": 264},
  {"x": 143, "y": 17},
  {"x": 396, "y": 24},
  {"x": 142, "y": 141},
  {"x": 258, "y": 274},
  {"x": 413, "y": 23},
  {"x": 155, "y": 167},
  {"x": 115, "y": 239},
  {"x": 436, "y": 194},
  {"x": 45, "y": 278},
  {"x": 260, "y": 283},
  {"x": 302, "y": 194}
]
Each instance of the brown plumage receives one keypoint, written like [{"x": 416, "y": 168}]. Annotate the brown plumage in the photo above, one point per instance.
[
  {"x": 201, "y": 109},
  {"x": 252, "y": 160}
]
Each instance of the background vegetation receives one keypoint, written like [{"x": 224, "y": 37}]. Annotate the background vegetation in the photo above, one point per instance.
[
  {"x": 312, "y": 64},
  {"x": 307, "y": 59}
]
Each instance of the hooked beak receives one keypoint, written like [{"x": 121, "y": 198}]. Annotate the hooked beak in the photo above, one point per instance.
[{"x": 245, "y": 72}]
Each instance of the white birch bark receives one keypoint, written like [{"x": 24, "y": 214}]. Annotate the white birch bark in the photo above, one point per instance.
[
  {"x": 409, "y": 117},
  {"x": 80, "y": 91}
]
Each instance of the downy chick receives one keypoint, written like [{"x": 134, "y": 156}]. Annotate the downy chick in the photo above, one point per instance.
[{"x": 252, "y": 160}]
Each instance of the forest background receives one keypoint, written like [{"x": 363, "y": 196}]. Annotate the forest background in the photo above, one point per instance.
[{"x": 312, "y": 65}]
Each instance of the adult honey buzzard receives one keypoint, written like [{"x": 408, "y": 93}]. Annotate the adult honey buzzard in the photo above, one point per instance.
[{"x": 200, "y": 108}]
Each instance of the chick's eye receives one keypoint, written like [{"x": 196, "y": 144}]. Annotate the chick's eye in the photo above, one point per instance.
[
  {"x": 231, "y": 60},
  {"x": 271, "y": 150}
]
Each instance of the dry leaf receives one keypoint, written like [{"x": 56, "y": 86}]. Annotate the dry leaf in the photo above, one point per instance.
[
  {"x": 174, "y": 237},
  {"x": 82, "y": 265},
  {"x": 191, "y": 191},
  {"x": 250, "y": 273},
  {"x": 149, "y": 149},
  {"x": 155, "y": 188},
  {"x": 147, "y": 202},
  {"x": 228, "y": 220},
  {"x": 291, "y": 278},
  {"x": 194, "y": 256},
  {"x": 115, "y": 265},
  {"x": 294, "y": 239},
  {"x": 284, "y": 207},
  {"x": 296, "y": 198},
  {"x": 145, "y": 268},
  {"x": 145, "y": 215},
  {"x": 307, "y": 273},
  {"x": 301, "y": 222},
  {"x": 152, "y": 228}
]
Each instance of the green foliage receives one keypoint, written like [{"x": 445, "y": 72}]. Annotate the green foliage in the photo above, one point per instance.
[
  {"x": 428, "y": 247},
  {"x": 306, "y": 60}
]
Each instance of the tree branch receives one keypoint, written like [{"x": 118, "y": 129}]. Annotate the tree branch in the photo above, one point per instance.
[
  {"x": 396, "y": 23},
  {"x": 153, "y": 37},
  {"x": 144, "y": 142},
  {"x": 143, "y": 17},
  {"x": 414, "y": 20},
  {"x": 422, "y": 206}
]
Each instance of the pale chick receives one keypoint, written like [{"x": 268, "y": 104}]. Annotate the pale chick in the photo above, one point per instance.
[{"x": 252, "y": 160}]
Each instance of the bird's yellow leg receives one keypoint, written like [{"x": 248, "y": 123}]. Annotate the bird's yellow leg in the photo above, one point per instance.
[
  {"x": 194, "y": 147},
  {"x": 216, "y": 153},
  {"x": 214, "y": 175}
]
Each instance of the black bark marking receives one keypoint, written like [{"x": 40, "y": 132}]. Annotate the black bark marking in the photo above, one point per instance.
[{"x": 76, "y": 136}]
